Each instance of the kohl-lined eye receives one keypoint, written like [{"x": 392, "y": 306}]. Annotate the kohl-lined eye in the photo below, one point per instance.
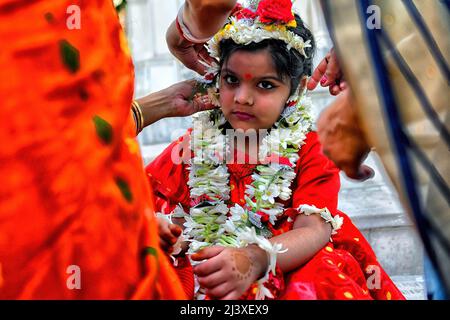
[
  {"x": 267, "y": 85},
  {"x": 230, "y": 79}
]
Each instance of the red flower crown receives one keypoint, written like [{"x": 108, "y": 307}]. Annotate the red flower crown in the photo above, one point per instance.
[{"x": 264, "y": 19}]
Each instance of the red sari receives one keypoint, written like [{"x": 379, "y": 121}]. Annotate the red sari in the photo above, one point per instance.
[{"x": 344, "y": 269}]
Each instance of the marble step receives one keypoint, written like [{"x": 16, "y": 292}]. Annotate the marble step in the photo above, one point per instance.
[
  {"x": 412, "y": 287},
  {"x": 399, "y": 249},
  {"x": 374, "y": 202},
  {"x": 375, "y": 209},
  {"x": 150, "y": 152}
]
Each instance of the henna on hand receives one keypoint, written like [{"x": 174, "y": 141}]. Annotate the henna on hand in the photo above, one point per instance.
[{"x": 243, "y": 265}]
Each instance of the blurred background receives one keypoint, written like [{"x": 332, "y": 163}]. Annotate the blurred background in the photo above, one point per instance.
[{"x": 373, "y": 205}]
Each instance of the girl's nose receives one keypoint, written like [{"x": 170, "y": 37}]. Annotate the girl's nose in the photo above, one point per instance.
[{"x": 244, "y": 96}]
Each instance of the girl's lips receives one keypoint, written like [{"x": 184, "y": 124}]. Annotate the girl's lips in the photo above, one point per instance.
[{"x": 243, "y": 116}]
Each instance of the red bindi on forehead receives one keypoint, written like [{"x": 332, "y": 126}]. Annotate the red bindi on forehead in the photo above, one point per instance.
[{"x": 248, "y": 76}]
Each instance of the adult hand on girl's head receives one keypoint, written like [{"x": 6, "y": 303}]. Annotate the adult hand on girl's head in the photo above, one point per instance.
[
  {"x": 168, "y": 234},
  {"x": 178, "y": 100},
  {"x": 328, "y": 72},
  {"x": 229, "y": 272},
  {"x": 342, "y": 139},
  {"x": 184, "y": 103}
]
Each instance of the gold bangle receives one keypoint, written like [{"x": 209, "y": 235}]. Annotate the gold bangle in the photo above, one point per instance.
[
  {"x": 135, "y": 117},
  {"x": 138, "y": 116}
]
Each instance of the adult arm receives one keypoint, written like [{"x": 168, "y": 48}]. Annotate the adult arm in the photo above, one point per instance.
[
  {"x": 203, "y": 18},
  {"x": 177, "y": 100},
  {"x": 343, "y": 140}
]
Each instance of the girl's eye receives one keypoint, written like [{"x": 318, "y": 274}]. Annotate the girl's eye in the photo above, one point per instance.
[
  {"x": 266, "y": 85},
  {"x": 230, "y": 79}
]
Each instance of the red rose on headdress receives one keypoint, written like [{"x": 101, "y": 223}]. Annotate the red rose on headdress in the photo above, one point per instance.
[
  {"x": 273, "y": 11},
  {"x": 246, "y": 14},
  {"x": 237, "y": 8}
]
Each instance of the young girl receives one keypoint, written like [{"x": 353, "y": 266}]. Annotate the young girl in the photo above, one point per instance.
[{"x": 269, "y": 227}]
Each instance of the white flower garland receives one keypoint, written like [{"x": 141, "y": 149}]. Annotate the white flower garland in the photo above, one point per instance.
[
  {"x": 336, "y": 221},
  {"x": 246, "y": 31}
]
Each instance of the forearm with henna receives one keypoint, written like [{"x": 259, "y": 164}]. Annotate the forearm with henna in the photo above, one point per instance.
[{"x": 250, "y": 263}]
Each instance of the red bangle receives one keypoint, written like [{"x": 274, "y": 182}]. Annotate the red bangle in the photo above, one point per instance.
[
  {"x": 184, "y": 31},
  {"x": 179, "y": 29}
]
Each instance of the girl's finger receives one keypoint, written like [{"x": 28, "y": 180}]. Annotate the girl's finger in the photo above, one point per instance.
[
  {"x": 164, "y": 245},
  {"x": 317, "y": 75},
  {"x": 233, "y": 295},
  {"x": 334, "y": 90},
  {"x": 207, "y": 253},
  {"x": 220, "y": 291},
  {"x": 212, "y": 280},
  {"x": 175, "y": 230}
]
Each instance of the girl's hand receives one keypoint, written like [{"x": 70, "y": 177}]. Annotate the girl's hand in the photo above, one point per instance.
[
  {"x": 168, "y": 234},
  {"x": 229, "y": 272}
]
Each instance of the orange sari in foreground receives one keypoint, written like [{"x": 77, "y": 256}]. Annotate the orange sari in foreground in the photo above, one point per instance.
[{"x": 76, "y": 219}]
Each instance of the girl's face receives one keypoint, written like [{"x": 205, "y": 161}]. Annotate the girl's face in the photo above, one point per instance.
[{"x": 252, "y": 95}]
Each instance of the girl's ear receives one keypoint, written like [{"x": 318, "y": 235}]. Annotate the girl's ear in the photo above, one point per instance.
[{"x": 303, "y": 83}]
